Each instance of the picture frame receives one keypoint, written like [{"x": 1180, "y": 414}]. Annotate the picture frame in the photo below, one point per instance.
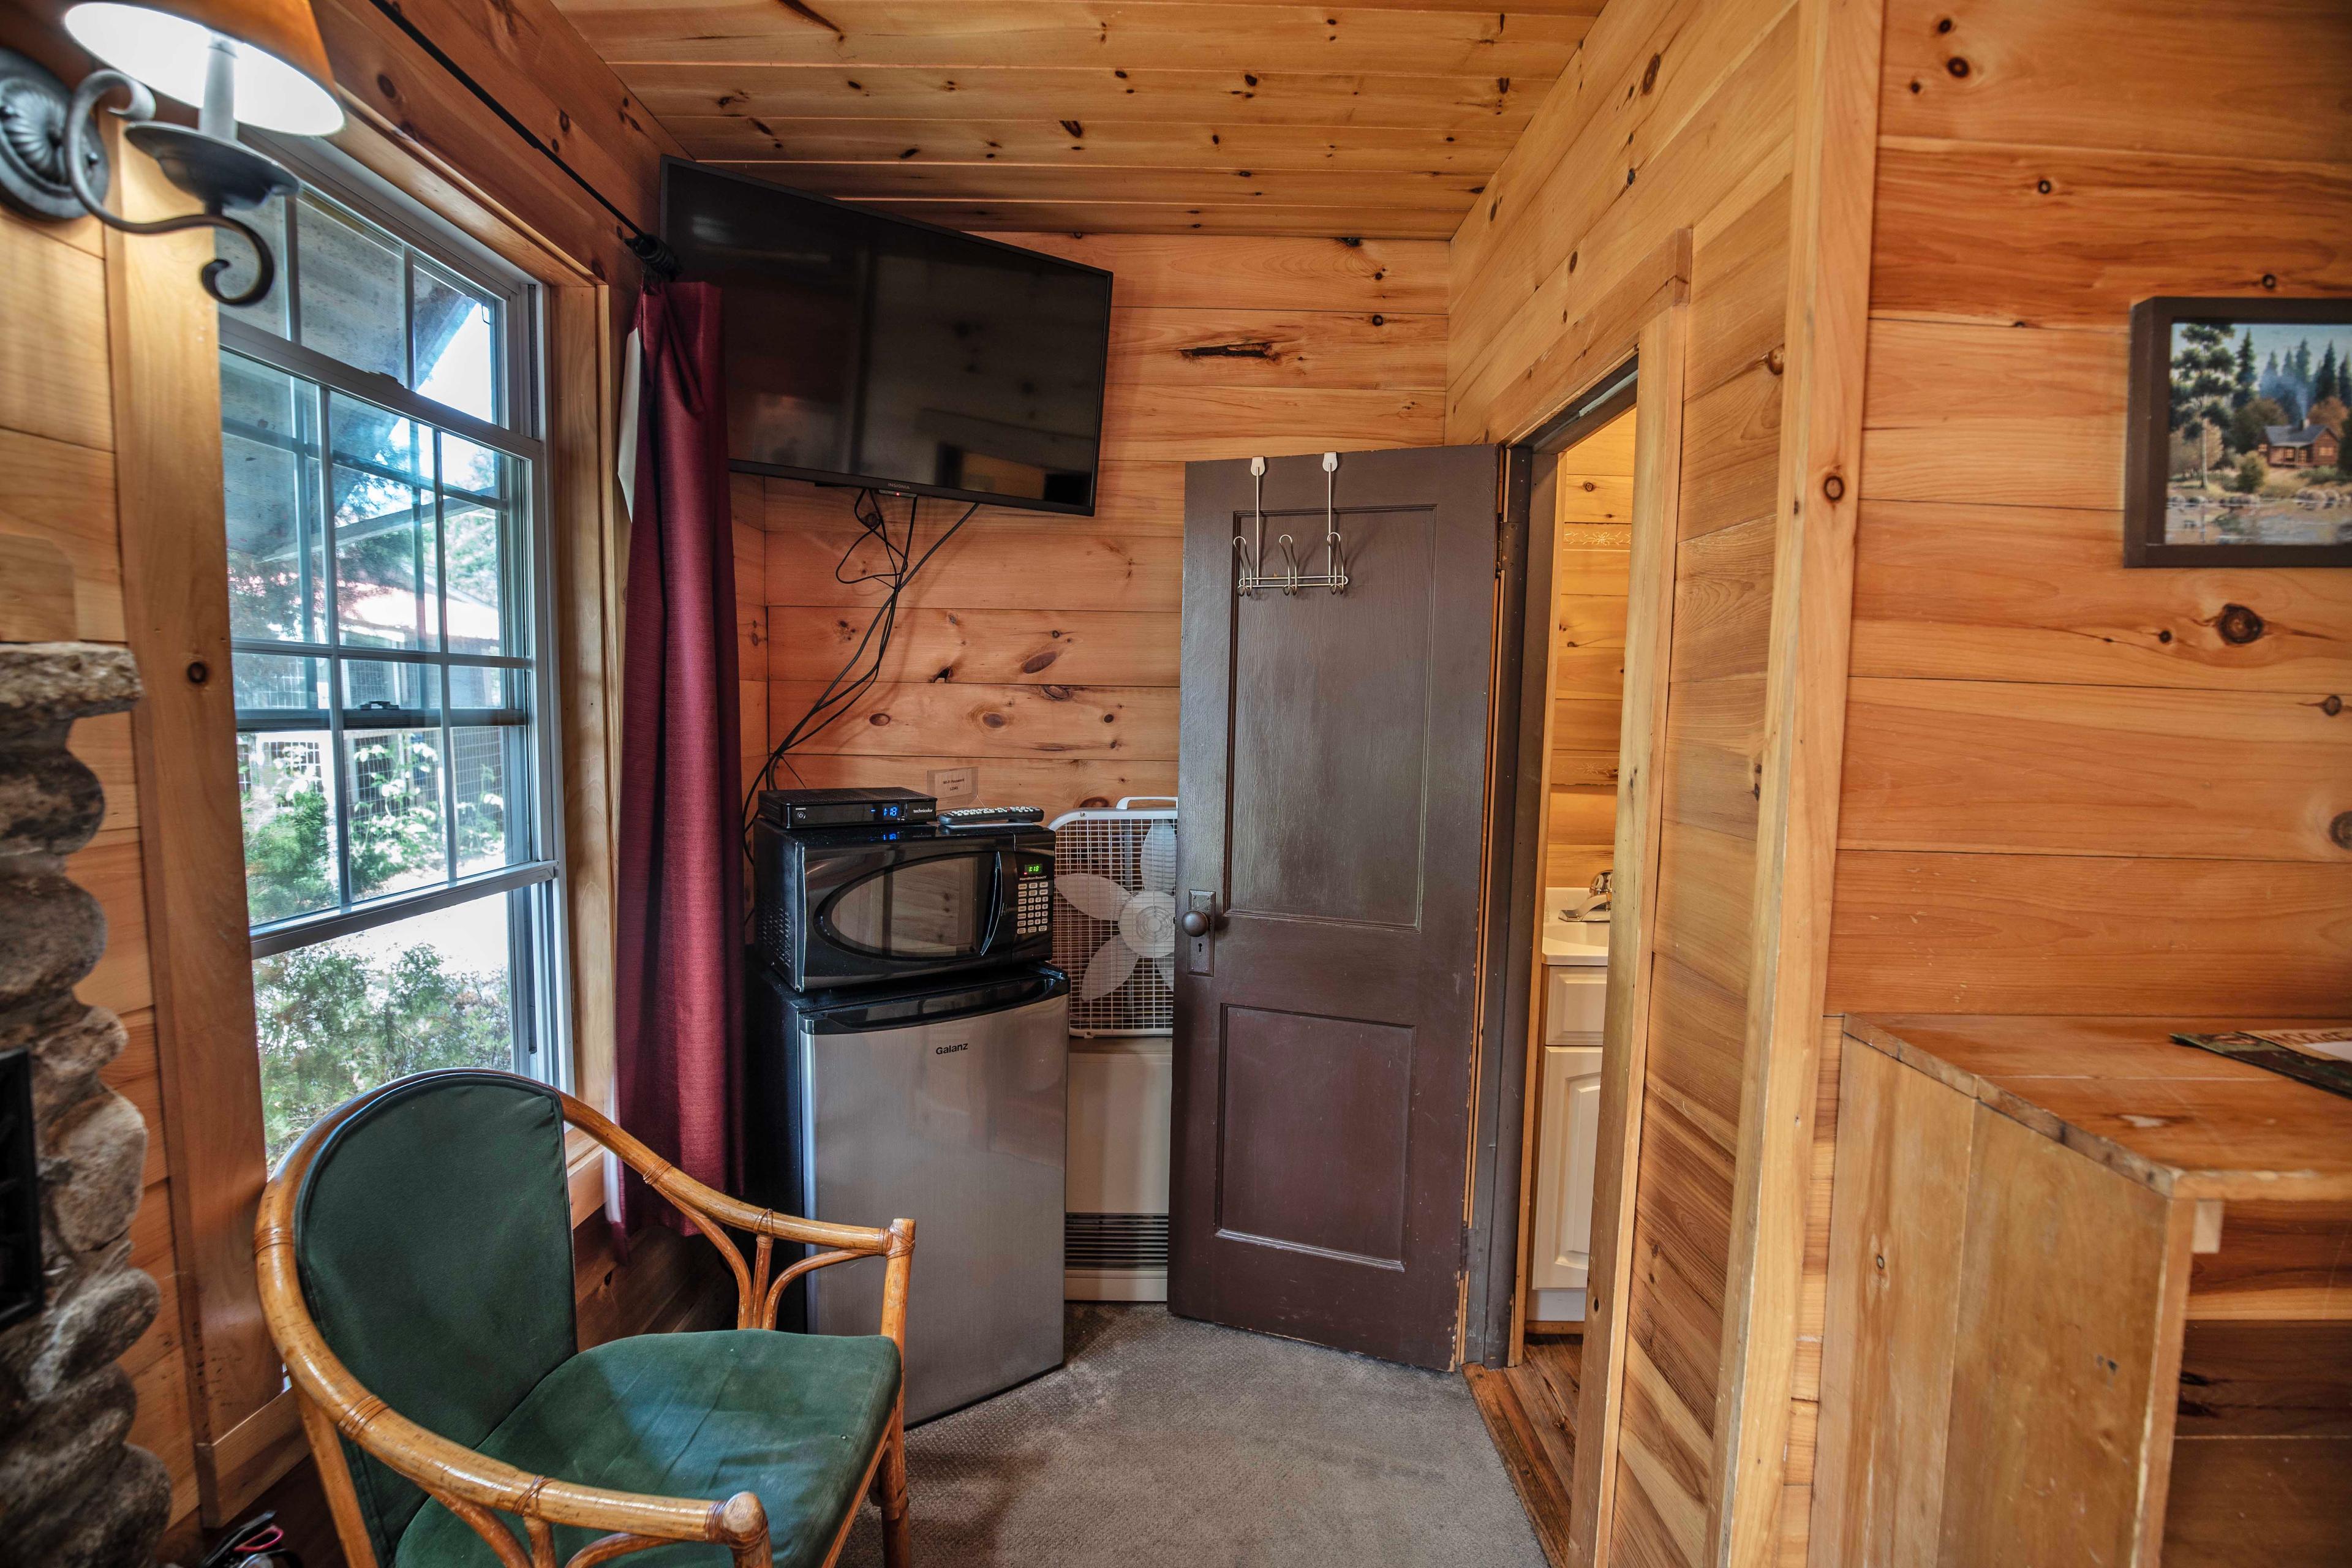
[{"x": 2210, "y": 478}]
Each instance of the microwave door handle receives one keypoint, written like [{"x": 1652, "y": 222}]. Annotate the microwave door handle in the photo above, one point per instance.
[{"x": 996, "y": 901}]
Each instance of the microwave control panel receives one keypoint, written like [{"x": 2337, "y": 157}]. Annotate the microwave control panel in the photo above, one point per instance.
[{"x": 1033, "y": 907}]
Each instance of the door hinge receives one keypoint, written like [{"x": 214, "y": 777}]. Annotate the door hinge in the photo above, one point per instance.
[{"x": 1502, "y": 540}]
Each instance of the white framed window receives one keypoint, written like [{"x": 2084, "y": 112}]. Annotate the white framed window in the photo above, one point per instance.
[{"x": 391, "y": 616}]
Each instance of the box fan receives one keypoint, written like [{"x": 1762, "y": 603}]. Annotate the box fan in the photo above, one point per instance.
[{"x": 1114, "y": 936}]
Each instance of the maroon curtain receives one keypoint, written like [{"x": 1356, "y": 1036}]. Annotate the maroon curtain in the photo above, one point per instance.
[{"x": 678, "y": 945}]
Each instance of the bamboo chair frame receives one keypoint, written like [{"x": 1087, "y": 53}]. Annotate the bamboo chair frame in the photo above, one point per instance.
[{"x": 477, "y": 1487}]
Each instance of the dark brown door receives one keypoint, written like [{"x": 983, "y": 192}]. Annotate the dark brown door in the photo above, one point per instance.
[{"x": 1332, "y": 784}]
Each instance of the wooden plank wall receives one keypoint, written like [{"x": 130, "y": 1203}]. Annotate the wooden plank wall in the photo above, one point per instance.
[
  {"x": 57, "y": 509},
  {"x": 1676, "y": 116},
  {"x": 1595, "y": 490},
  {"x": 2065, "y": 790},
  {"x": 1043, "y": 650},
  {"x": 57, "y": 490}
]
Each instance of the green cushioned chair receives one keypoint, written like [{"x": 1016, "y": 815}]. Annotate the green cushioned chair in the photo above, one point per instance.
[{"x": 415, "y": 1260}]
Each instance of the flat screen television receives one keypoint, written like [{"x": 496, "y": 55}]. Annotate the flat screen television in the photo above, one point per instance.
[{"x": 875, "y": 351}]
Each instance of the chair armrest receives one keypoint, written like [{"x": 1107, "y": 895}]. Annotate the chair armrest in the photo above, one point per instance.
[
  {"x": 687, "y": 1193},
  {"x": 757, "y": 1296}
]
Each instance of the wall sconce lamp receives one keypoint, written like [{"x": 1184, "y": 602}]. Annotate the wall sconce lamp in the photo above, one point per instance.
[{"x": 256, "y": 61}]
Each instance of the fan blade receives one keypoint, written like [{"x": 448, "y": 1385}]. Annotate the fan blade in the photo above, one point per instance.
[
  {"x": 1096, "y": 896},
  {"x": 1167, "y": 967},
  {"x": 1106, "y": 971},
  {"x": 1159, "y": 858}
]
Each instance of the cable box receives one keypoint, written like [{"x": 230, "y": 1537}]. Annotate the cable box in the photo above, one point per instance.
[{"x": 794, "y": 810}]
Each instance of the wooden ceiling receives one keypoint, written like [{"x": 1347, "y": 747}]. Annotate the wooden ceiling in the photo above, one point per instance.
[{"x": 1369, "y": 118}]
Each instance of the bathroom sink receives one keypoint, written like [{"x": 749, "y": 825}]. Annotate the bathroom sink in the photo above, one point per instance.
[{"x": 1576, "y": 941}]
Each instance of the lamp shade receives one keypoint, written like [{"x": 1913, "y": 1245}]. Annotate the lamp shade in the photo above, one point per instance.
[{"x": 283, "y": 81}]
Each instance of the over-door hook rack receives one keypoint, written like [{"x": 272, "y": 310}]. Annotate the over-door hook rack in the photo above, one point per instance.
[{"x": 1255, "y": 578}]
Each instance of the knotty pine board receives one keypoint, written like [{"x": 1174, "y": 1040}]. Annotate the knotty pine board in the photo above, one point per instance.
[
  {"x": 2146, "y": 935},
  {"x": 1047, "y": 564},
  {"x": 1722, "y": 602},
  {"x": 1676, "y": 122},
  {"x": 2031, "y": 80},
  {"x": 781, "y": 102},
  {"x": 64, "y": 494},
  {"x": 1694, "y": 1056},
  {"x": 1715, "y": 755},
  {"x": 2281, "y": 1261},
  {"x": 1112, "y": 34},
  {"x": 1706, "y": 898},
  {"x": 55, "y": 382},
  {"x": 1739, "y": 286},
  {"x": 1028, "y": 631},
  {"x": 1096, "y": 116},
  {"x": 1966, "y": 590},
  {"x": 1070, "y": 648},
  {"x": 1569, "y": 167},
  {"x": 1667, "y": 1431},
  {"x": 966, "y": 719},
  {"x": 1699, "y": 171},
  {"x": 914, "y": 186},
  {"x": 2043, "y": 236},
  {"x": 2066, "y": 789},
  {"x": 1592, "y": 492},
  {"x": 1995, "y": 416},
  {"x": 2126, "y": 771},
  {"x": 1731, "y": 455},
  {"x": 1217, "y": 273},
  {"x": 1372, "y": 350},
  {"x": 1111, "y": 131}
]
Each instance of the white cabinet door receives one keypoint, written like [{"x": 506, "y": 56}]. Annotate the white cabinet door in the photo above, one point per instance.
[
  {"x": 1567, "y": 1138},
  {"x": 1576, "y": 999}
]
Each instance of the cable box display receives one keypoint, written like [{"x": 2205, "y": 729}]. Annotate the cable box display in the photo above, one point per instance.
[{"x": 797, "y": 810}]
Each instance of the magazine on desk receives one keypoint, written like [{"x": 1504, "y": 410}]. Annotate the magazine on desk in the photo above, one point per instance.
[{"x": 2321, "y": 1058}]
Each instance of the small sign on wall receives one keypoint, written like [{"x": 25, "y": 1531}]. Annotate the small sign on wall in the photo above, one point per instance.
[{"x": 2240, "y": 415}]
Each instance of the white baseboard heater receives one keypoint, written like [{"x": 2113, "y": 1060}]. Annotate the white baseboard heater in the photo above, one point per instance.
[{"x": 1115, "y": 1237}]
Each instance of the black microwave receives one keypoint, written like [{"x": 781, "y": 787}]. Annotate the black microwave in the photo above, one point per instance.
[{"x": 858, "y": 906}]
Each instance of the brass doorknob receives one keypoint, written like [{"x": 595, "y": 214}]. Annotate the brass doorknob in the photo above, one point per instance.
[{"x": 1195, "y": 922}]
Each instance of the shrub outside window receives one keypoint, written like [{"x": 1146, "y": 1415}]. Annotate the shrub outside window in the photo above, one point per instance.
[{"x": 389, "y": 614}]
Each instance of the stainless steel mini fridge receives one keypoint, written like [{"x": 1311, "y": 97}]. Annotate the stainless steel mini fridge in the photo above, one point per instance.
[{"x": 945, "y": 1104}]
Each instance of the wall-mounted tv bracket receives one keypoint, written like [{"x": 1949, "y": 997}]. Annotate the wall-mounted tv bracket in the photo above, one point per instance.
[{"x": 1290, "y": 579}]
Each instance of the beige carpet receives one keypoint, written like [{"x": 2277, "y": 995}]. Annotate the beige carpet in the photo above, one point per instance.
[{"x": 1165, "y": 1443}]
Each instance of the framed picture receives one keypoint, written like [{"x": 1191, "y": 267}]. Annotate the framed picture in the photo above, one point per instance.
[{"x": 2240, "y": 444}]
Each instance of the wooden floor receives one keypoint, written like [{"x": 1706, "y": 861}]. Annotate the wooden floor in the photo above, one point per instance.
[{"x": 1531, "y": 1411}]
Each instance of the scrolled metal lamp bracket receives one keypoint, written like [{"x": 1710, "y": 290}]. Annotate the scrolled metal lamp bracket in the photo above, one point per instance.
[{"x": 54, "y": 165}]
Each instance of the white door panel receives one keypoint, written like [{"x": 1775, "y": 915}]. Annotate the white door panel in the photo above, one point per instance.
[{"x": 1568, "y": 1136}]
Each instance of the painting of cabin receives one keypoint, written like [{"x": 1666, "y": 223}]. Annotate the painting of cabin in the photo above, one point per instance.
[{"x": 2258, "y": 423}]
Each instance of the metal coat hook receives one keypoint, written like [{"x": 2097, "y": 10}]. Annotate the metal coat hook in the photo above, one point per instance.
[{"x": 1254, "y": 577}]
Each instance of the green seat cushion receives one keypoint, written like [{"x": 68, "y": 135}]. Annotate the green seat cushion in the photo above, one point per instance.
[{"x": 794, "y": 1418}]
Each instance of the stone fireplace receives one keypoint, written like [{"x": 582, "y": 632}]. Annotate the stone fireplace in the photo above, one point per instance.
[{"x": 73, "y": 1492}]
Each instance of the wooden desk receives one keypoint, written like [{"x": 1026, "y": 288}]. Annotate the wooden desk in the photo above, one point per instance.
[{"x": 2090, "y": 1301}]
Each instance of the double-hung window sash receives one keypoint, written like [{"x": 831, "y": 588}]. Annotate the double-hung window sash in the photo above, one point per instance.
[{"x": 389, "y": 616}]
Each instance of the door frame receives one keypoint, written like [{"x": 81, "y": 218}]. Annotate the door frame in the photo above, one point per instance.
[
  {"x": 1494, "y": 1325},
  {"x": 1495, "y": 1332}
]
